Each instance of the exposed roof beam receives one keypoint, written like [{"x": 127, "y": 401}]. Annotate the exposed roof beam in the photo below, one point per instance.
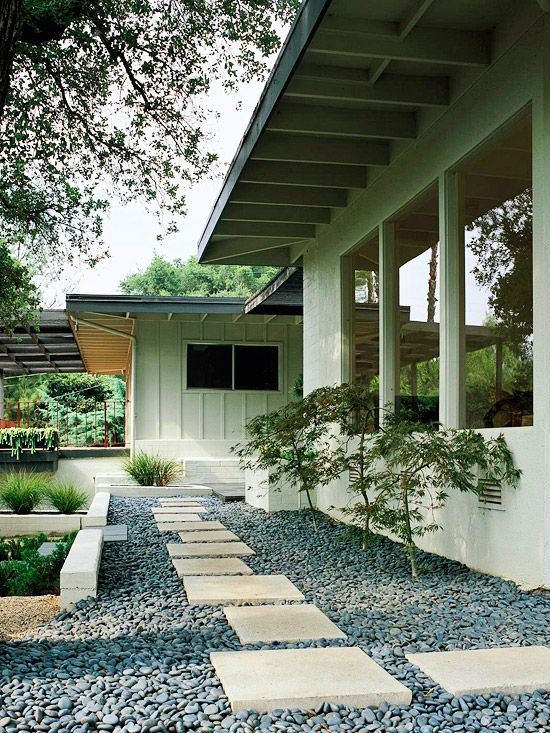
[
  {"x": 249, "y": 193},
  {"x": 424, "y": 45},
  {"x": 304, "y": 174},
  {"x": 320, "y": 83},
  {"x": 343, "y": 123},
  {"x": 222, "y": 249},
  {"x": 264, "y": 229},
  {"x": 497, "y": 189},
  {"x": 413, "y": 14},
  {"x": 310, "y": 149},
  {"x": 267, "y": 213}
]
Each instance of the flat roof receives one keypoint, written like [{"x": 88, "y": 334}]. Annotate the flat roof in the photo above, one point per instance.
[
  {"x": 79, "y": 303},
  {"x": 355, "y": 84}
]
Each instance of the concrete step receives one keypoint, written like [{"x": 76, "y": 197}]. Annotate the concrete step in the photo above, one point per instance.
[
  {"x": 210, "y": 566},
  {"x": 511, "y": 670},
  {"x": 254, "y": 589},
  {"x": 292, "y": 623},
  {"x": 302, "y": 678},
  {"x": 209, "y": 549},
  {"x": 212, "y": 470}
]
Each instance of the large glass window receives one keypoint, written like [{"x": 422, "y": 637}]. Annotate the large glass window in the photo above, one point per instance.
[
  {"x": 237, "y": 367},
  {"x": 498, "y": 219},
  {"x": 417, "y": 244},
  {"x": 365, "y": 318}
]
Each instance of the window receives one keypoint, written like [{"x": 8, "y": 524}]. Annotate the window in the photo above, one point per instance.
[
  {"x": 257, "y": 367},
  {"x": 209, "y": 366},
  {"x": 236, "y": 367},
  {"x": 498, "y": 240},
  {"x": 417, "y": 242}
]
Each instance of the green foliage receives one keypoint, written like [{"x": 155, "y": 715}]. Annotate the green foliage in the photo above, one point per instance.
[
  {"x": 23, "y": 572},
  {"x": 150, "y": 470},
  {"x": 22, "y": 492},
  {"x": 66, "y": 497},
  {"x": 163, "y": 277},
  {"x": 293, "y": 444},
  {"x": 297, "y": 390},
  {"x": 32, "y": 439},
  {"x": 82, "y": 391},
  {"x": 113, "y": 96},
  {"x": 414, "y": 466},
  {"x": 19, "y": 299}
]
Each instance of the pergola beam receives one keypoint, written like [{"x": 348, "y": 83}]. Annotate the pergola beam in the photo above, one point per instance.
[
  {"x": 249, "y": 193},
  {"x": 221, "y": 249},
  {"x": 304, "y": 174},
  {"x": 321, "y": 83},
  {"x": 319, "y": 120},
  {"x": 351, "y": 37},
  {"x": 311, "y": 149}
]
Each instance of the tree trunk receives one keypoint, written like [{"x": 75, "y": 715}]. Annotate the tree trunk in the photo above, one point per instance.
[
  {"x": 409, "y": 541},
  {"x": 312, "y": 509},
  {"x": 432, "y": 284},
  {"x": 11, "y": 21}
]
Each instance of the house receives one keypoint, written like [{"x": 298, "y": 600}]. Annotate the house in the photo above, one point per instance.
[{"x": 401, "y": 150}]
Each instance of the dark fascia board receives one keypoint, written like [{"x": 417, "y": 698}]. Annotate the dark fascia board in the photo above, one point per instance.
[
  {"x": 144, "y": 304},
  {"x": 309, "y": 16},
  {"x": 256, "y": 300}
]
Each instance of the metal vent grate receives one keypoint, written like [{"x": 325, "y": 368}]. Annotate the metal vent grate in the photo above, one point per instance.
[{"x": 491, "y": 496}]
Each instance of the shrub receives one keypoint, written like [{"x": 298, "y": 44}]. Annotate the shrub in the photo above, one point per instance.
[
  {"x": 22, "y": 491},
  {"x": 66, "y": 497},
  {"x": 150, "y": 470},
  {"x": 23, "y": 572}
]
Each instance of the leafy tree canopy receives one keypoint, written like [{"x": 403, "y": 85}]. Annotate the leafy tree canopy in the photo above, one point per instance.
[
  {"x": 163, "y": 277},
  {"x": 18, "y": 296},
  {"x": 111, "y": 96}
]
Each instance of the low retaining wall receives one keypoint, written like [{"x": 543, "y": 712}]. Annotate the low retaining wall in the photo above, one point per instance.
[
  {"x": 262, "y": 493},
  {"x": 157, "y": 492},
  {"x": 14, "y": 525},
  {"x": 97, "y": 513},
  {"x": 79, "y": 574}
]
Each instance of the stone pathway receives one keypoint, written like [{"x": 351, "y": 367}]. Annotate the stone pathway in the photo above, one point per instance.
[{"x": 271, "y": 679}]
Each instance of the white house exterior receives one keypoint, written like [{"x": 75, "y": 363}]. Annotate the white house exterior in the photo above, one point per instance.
[
  {"x": 387, "y": 128},
  {"x": 152, "y": 341}
]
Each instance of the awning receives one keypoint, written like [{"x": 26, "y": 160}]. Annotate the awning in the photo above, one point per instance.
[{"x": 356, "y": 83}]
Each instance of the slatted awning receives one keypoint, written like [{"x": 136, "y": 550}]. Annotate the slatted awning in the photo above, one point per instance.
[
  {"x": 45, "y": 348},
  {"x": 356, "y": 84}
]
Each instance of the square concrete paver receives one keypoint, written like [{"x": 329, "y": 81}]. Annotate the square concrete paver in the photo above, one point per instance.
[
  {"x": 177, "y": 526},
  {"x": 220, "y": 535},
  {"x": 252, "y": 589},
  {"x": 165, "y": 504},
  {"x": 512, "y": 670},
  {"x": 209, "y": 549},
  {"x": 211, "y": 566},
  {"x": 303, "y": 678},
  {"x": 207, "y": 524},
  {"x": 177, "y": 511},
  {"x": 255, "y": 624}
]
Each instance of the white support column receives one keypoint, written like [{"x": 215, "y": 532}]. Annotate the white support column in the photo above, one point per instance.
[
  {"x": 1, "y": 394},
  {"x": 389, "y": 315},
  {"x": 348, "y": 320},
  {"x": 452, "y": 407}
]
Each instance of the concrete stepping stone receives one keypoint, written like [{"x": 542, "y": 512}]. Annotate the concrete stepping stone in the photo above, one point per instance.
[
  {"x": 207, "y": 524},
  {"x": 211, "y": 566},
  {"x": 177, "y": 526},
  {"x": 302, "y": 678},
  {"x": 209, "y": 549},
  {"x": 254, "y": 624},
  {"x": 115, "y": 533},
  {"x": 210, "y": 535},
  {"x": 238, "y": 590},
  {"x": 47, "y": 548},
  {"x": 178, "y": 511},
  {"x": 180, "y": 502},
  {"x": 511, "y": 670}
]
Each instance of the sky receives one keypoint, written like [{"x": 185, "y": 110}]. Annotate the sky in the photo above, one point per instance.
[{"x": 130, "y": 232}]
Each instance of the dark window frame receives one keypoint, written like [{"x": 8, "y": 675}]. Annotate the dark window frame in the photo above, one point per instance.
[{"x": 233, "y": 345}]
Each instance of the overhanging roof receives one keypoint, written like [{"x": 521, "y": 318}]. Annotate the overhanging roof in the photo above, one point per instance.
[
  {"x": 283, "y": 294},
  {"x": 129, "y": 304},
  {"x": 47, "y": 348},
  {"x": 357, "y": 81}
]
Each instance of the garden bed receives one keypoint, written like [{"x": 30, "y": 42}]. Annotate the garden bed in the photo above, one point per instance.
[
  {"x": 19, "y": 615},
  {"x": 39, "y": 460}
]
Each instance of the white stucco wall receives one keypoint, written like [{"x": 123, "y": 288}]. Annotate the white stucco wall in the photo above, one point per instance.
[
  {"x": 177, "y": 422},
  {"x": 512, "y": 543}
]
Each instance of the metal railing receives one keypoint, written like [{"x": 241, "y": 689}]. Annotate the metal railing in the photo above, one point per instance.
[{"x": 85, "y": 424}]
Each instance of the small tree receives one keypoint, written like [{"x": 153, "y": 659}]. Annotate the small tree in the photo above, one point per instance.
[
  {"x": 420, "y": 464},
  {"x": 292, "y": 442}
]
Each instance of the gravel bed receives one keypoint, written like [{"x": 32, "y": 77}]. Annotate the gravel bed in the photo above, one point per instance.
[
  {"x": 19, "y": 615},
  {"x": 137, "y": 658}
]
